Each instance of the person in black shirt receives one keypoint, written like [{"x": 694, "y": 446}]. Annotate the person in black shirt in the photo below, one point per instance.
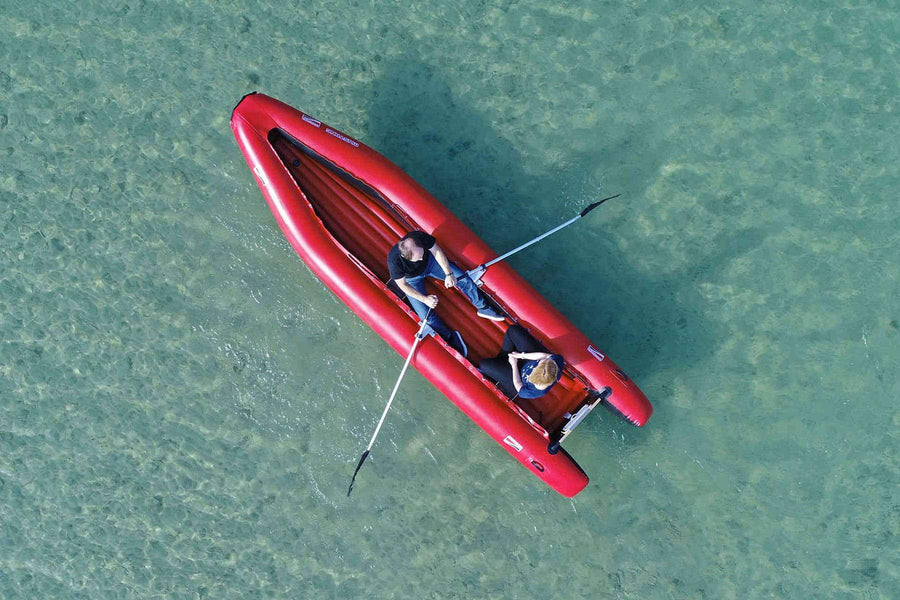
[{"x": 417, "y": 256}]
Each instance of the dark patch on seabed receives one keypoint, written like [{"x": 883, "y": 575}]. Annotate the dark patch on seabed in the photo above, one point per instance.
[{"x": 458, "y": 156}]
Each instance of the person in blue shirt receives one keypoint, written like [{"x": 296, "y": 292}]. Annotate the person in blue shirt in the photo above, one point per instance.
[{"x": 523, "y": 368}]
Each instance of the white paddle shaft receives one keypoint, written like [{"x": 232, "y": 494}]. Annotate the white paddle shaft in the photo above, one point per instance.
[{"x": 399, "y": 379}]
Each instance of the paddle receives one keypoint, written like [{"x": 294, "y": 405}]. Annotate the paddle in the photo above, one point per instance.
[
  {"x": 476, "y": 273},
  {"x": 420, "y": 335}
]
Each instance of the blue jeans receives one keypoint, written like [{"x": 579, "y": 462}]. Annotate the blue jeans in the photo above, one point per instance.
[{"x": 465, "y": 286}]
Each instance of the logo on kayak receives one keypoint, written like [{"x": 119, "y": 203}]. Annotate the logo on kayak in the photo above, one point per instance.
[
  {"x": 510, "y": 440},
  {"x": 312, "y": 121},
  {"x": 341, "y": 137},
  {"x": 597, "y": 354}
]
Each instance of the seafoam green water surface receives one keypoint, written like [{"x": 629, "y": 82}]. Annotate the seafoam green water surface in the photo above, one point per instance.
[{"x": 182, "y": 402}]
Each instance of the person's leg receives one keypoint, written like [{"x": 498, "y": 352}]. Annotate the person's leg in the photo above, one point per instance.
[
  {"x": 517, "y": 339},
  {"x": 499, "y": 370},
  {"x": 508, "y": 346},
  {"x": 418, "y": 284},
  {"x": 454, "y": 338},
  {"x": 465, "y": 285}
]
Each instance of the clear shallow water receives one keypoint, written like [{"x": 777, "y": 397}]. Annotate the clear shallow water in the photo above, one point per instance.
[{"x": 182, "y": 403}]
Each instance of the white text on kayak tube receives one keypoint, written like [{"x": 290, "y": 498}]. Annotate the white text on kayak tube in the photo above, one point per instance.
[{"x": 342, "y": 137}]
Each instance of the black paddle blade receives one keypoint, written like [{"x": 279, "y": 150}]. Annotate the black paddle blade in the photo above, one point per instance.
[
  {"x": 358, "y": 467},
  {"x": 596, "y": 204}
]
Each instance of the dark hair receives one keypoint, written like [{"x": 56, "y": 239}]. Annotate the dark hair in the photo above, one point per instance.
[{"x": 403, "y": 249}]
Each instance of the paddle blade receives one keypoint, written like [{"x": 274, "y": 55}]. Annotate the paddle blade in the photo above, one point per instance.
[
  {"x": 358, "y": 467},
  {"x": 591, "y": 207}
]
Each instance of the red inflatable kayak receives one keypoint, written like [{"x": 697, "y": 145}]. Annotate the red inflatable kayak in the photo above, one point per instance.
[{"x": 343, "y": 206}]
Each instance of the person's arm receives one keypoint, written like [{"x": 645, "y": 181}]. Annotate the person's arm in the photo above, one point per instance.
[
  {"x": 530, "y": 355},
  {"x": 429, "y": 301},
  {"x": 517, "y": 377},
  {"x": 444, "y": 262}
]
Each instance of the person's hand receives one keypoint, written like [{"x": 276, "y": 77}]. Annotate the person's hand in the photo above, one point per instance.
[
  {"x": 430, "y": 301},
  {"x": 450, "y": 280},
  {"x": 513, "y": 358},
  {"x": 516, "y": 355}
]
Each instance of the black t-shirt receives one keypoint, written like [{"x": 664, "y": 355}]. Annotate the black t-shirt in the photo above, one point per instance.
[{"x": 399, "y": 267}]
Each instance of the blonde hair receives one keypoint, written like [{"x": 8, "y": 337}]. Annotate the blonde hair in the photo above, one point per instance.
[{"x": 544, "y": 374}]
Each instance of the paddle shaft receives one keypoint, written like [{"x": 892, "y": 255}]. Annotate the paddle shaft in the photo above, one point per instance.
[
  {"x": 394, "y": 391},
  {"x": 419, "y": 336},
  {"x": 475, "y": 274}
]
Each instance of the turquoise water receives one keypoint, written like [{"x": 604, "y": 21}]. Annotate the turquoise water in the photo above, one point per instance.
[{"x": 182, "y": 402}]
